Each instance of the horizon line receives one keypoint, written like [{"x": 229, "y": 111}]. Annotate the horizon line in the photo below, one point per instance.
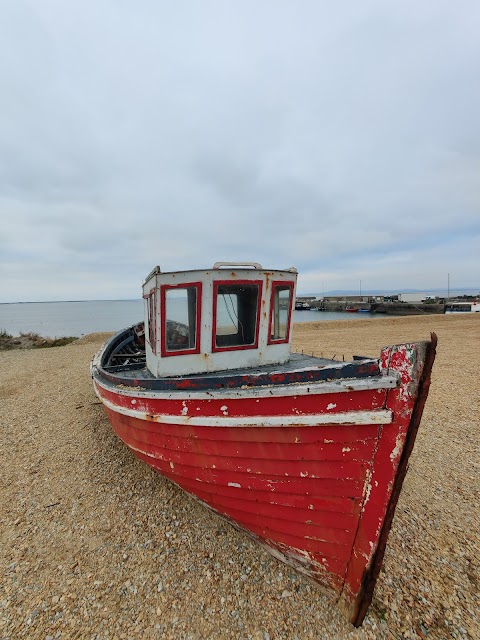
[{"x": 330, "y": 291}]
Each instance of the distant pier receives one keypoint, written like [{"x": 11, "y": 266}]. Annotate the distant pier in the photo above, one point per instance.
[{"x": 385, "y": 308}]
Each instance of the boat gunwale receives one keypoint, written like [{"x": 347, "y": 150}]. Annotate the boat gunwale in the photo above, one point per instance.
[
  {"x": 287, "y": 390},
  {"x": 271, "y": 376}
]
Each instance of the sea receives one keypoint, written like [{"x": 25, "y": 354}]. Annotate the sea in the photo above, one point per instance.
[{"x": 59, "y": 319}]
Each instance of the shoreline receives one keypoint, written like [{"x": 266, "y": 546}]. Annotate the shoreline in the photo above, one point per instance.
[
  {"x": 96, "y": 543},
  {"x": 99, "y": 315}
]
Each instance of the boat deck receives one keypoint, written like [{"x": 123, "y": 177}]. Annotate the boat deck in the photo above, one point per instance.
[{"x": 296, "y": 362}]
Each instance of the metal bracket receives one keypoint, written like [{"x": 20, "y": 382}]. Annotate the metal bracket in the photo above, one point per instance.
[{"x": 255, "y": 265}]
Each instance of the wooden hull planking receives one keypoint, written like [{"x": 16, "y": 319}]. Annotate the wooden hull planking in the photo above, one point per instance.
[{"x": 314, "y": 477}]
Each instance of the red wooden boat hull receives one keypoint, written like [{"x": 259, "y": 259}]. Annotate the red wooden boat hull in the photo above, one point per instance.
[{"x": 312, "y": 472}]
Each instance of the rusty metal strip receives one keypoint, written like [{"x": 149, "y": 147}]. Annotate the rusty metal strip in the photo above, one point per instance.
[
  {"x": 342, "y": 418},
  {"x": 310, "y": 375}
]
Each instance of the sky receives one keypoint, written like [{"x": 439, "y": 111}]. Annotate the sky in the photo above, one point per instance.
[{"x": 340, "y": 138}]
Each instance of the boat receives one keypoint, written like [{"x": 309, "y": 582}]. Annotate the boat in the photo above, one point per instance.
[
  {"x": 351, "y": 309},
  {"x": 463, "y": 307},
  {"x": 306, "y": 454},
  {"x": 302, "y": 306}
]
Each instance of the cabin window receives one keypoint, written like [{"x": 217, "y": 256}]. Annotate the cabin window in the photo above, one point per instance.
[
  {"x": 280, "y": 312},
  {"x": 236, "y": 308},
  {"x": 151, "y": 301},
  {"x": 181, "y": 319}
]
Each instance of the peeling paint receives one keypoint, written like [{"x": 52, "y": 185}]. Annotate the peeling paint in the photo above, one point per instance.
[
  {"x": 398, "y": 447},
  {"x": 235, "y": 484},
  {"x": 367, "y": 488}
]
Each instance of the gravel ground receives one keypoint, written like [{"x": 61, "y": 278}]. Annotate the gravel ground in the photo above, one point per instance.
[{"x": 96, "y": 545}]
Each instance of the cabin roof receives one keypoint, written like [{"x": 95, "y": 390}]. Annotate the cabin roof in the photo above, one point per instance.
[{"x": 223, "y": 267}]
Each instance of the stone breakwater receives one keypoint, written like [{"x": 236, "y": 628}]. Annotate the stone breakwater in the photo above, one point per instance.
[
  {"x": 95, "y": 544},
  {"x": 384, "y": 308}
]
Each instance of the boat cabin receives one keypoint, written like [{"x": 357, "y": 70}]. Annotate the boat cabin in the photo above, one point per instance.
[{"x": 235, "y": 315}]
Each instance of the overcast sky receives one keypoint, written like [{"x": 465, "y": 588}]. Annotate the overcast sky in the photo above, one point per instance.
[{"x": 342, "y": 138}]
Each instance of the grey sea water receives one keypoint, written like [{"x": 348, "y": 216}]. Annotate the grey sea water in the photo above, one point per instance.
[{"x": 57, "y": 319}]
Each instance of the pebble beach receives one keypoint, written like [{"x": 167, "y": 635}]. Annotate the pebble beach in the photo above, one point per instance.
[{"x": 95, "y": 544}]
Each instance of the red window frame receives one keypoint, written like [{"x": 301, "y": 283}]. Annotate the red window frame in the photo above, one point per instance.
[
  {"x": 240, "y": 347},
  {"x": 290, "y": 285},
  {"x": 163, "y": 317},
  {"x": 151, "y": 337}
]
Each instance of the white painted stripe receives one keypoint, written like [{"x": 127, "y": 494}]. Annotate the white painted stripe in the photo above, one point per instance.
[
  {"x": 266, "y": 391},
  {"x": 377, "y": 416}
]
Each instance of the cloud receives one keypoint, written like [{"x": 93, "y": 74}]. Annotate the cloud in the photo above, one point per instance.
[{"x": 341, "y": 139}]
